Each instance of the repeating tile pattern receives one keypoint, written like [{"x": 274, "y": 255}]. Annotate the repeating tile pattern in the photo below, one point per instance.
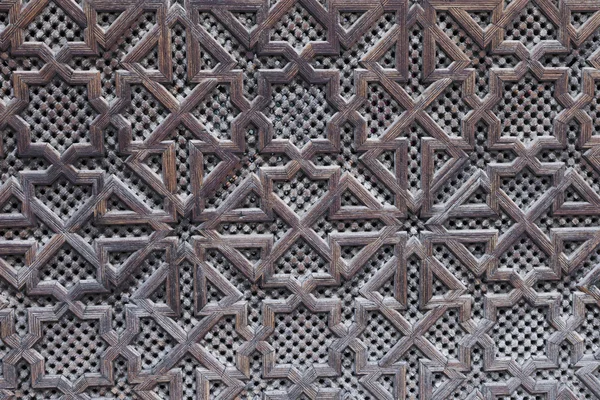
[{"x": 300, "y": 199}]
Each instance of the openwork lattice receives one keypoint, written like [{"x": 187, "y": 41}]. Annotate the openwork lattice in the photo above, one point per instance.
[{"x": 300, "y": 199}]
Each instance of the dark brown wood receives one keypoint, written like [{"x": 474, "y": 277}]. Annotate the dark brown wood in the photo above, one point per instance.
[{"x": 299, "y": 199}]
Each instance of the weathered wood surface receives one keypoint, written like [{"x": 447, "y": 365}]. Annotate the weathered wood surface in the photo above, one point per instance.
[{"x": 288, "y": 199}]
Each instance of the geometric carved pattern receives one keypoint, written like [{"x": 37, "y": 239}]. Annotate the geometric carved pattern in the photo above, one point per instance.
[{"x": 299, "y": 199}]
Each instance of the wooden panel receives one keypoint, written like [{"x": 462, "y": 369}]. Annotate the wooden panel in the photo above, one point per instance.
[{"x": 299, "y": 199}]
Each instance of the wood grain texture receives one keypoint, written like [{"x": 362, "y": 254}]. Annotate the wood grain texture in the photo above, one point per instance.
[{"x": 299, "y": 199}]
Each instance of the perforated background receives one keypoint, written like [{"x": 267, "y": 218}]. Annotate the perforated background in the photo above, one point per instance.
[{"x": 299, "y": 199}]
